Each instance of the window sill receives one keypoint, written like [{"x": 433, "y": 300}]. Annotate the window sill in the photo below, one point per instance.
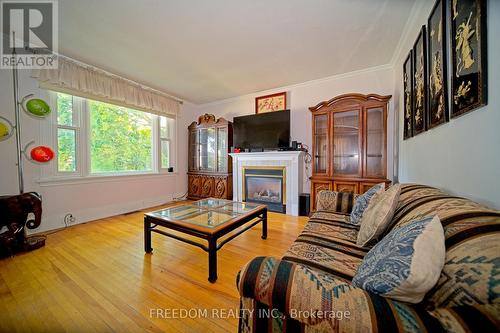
[{"x": 56, "y": 181}]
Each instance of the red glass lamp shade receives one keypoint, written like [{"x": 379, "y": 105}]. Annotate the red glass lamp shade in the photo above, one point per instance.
[{"x": 42, "y": 154}]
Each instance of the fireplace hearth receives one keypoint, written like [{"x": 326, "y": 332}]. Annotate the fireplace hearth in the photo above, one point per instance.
[{"x": 265, "y": 185}]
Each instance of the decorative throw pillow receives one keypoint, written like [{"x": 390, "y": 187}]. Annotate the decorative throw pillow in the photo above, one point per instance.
[
  {"x": 338, "y": 202},
  {"x": 362, "y": 202},
  {"x": 378, "y": 215},
  {"x": 406, "y": 263}
]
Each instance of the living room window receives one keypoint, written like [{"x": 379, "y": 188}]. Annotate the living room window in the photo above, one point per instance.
[
  {"x": 68, "y": 130},
  {"x": 95, "y": 139},
  {"x": 120, "y": 139},
  {"x": 167, "y": 131}
]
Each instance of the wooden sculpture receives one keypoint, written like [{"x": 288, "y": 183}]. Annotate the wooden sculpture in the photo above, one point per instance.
[{"x": 15, "y": 215}]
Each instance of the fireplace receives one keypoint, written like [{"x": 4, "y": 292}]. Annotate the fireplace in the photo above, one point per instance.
[{"x": 265, "y": 185}]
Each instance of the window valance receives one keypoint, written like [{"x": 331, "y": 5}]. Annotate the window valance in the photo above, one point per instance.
[{"x": 87, "y": 81}]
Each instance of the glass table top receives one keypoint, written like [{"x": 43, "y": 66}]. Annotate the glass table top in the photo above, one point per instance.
[
  {"x": 208, "y": 212},
  {"x": 211, "y": 203}
]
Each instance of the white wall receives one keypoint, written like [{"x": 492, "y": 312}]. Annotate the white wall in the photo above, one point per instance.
[
  {"x": 302, "y": 96},
  {"x": 462, "y": 156},
  {"x": 86, "y": 201}
]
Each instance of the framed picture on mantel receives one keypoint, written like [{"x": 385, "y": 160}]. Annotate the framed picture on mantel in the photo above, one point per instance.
[{"x": 270, "y": 103}]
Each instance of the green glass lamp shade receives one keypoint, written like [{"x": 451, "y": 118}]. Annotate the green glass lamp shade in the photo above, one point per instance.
[
  {"x": 37, "y": 107},
  {"x": 4, "y": 131}
]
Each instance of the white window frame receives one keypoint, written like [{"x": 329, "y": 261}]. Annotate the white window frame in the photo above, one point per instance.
[
  {"x": 171, "y": 139},
  {"x": 81, "y": 112}
]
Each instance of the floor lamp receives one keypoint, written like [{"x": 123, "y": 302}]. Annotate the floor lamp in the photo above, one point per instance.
[{"x": 34, "y": 107}]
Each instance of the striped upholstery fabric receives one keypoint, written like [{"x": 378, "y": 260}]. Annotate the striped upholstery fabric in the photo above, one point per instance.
[
  {"x": 471, "y": 274},
  {"x": 289, "y": 287},
  {"x": 315, "y": 275},
  {"x": 337, "y": 202},
  {"x": 328, "y": 243},
  {"x": 469, "y": 318}
]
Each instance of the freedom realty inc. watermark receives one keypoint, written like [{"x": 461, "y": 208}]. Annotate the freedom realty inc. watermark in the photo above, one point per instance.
[
  {"x": 29, "y": 34},
  {"x": 228, "y": 313}
]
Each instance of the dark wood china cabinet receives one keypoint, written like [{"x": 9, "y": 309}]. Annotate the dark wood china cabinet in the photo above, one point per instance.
[
  {"x": 209, "y": 165},
  {"x": 349, "y": 144}
]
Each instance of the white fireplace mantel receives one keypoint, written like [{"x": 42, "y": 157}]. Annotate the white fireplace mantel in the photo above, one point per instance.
[{"x": 293, "y": 161}]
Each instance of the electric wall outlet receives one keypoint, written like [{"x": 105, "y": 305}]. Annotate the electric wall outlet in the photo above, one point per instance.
[{"x": 69, "y": 219}]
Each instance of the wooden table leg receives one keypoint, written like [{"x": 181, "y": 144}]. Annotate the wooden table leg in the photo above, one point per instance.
[
  {"x": 212, "y": 260},
  {"x": 264, "y": 225},
  {"x": 147, "y": 236}
]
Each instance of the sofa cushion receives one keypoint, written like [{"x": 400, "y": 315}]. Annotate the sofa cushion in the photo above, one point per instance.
[
  {"x": 472, "y": 232},
  {"x": 338, "y": 202},
  {"x": 406, "y": 263},
  {"x": 377, "y": 217},
  {"x": 330, "y": 217},
  {"x": 328, "y": 245},
  {"x": 469, "y": 318},
  {"x": 362, "y": 202},
  {"x": 471, "y": 274}
]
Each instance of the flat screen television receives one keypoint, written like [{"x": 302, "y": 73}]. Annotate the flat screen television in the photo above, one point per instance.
[{"x": 270, "y": 130}]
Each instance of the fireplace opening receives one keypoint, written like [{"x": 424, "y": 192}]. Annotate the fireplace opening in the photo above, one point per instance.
[{"x": 265, "y": 186}]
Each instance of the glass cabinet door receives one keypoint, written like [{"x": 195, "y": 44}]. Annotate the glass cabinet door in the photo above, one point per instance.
[
  {"x": 193, "y": 148},
  {"x": 222, "y": 149},
  {"x": 375, "y": 143},
  {"x": 321, "y": 145},
  {"x": 346, "y": 143},
  {"x": 207, "y": 149},
  {"x": 205, "y": 159},
  {"x": 203, "y": 149},
  {"x": 212, "y": 149}
]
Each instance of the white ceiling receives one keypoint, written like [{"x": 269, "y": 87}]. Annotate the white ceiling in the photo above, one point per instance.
[{"x": 207, "y": 50}]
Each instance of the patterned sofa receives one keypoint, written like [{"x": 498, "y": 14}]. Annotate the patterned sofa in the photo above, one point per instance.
[{"x": 309, "y": 289}]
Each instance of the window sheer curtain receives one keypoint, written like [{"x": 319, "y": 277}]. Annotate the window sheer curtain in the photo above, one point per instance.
[{"x": 83, "y": 80}]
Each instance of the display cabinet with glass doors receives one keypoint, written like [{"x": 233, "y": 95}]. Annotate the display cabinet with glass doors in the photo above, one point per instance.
[
  {"x": 209, "y": 165},
  {"x": 349, "y": 152}
]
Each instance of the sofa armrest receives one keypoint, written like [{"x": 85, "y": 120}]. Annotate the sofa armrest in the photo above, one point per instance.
[
  {"x": 335, "y": 202},
  {"x": 324, "y": 301}
]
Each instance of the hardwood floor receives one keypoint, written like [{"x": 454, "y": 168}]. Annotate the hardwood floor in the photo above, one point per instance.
[{"x": 95, "y": 277}]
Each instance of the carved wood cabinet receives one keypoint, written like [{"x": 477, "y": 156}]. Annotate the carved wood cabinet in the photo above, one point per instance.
[
  {"x": 349, "y": 144},
  {"x": 209, "y": 165}
]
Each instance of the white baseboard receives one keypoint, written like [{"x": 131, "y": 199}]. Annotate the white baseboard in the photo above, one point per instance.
[{"x": 56, "y": 221}]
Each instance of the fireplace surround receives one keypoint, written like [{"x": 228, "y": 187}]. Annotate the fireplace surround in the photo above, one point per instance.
[{"x": 292, "y": 164}]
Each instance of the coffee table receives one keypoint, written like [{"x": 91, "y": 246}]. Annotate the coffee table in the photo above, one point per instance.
[{"x": 208, "y": 219}]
